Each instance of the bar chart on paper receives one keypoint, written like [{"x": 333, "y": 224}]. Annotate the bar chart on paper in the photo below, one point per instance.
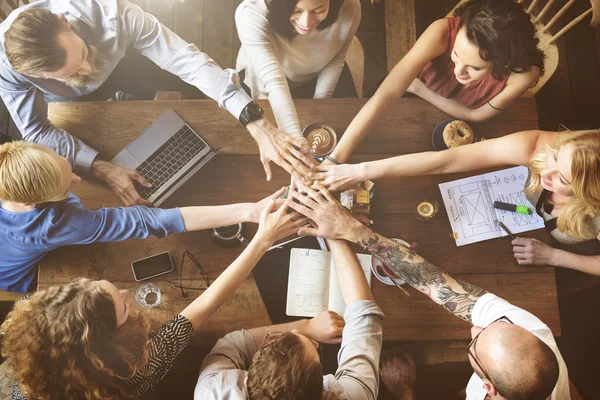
[{"x": 469, "y": 203}]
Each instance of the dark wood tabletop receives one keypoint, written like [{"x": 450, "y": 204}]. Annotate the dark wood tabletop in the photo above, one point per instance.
[{"x": 237, "y": 175}]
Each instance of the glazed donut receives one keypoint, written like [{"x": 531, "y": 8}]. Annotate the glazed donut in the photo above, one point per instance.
[{"x": 457, "y": 133}]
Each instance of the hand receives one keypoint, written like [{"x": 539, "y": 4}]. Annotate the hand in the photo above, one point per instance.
[
  {"x": 120, "y": 181},
  {"x": 327, "y": 327},
  {"x": 284, "y": 150},
  {"x": 338, "y": 177},
  {"x": 258, "y": 207},
  {"x": 275, "y": 225},
  {"x": 532, "y": 252},
  {"x": 329, "y": 218}
]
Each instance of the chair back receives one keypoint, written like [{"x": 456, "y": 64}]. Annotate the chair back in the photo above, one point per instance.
[
  {"x": 7, "y": 6},
  {"x": 355, "y": 58},
  {"x": 541, "y": 11}
]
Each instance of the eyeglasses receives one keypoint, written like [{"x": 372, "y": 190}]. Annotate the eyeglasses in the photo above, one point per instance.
[
  {"x": 198, "y": 266},
  {"x": 472, "y": 344}
]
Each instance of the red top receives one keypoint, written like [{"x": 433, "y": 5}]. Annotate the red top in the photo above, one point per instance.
[{"x": 438, "y": 76}]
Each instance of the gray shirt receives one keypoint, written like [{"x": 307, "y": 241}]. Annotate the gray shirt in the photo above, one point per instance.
[
  {"x": 115, "y": 26},
  {"x": 224, "y": 371}
]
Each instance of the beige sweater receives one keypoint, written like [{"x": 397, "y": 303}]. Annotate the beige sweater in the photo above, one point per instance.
[{"x": 271, "y": 60}]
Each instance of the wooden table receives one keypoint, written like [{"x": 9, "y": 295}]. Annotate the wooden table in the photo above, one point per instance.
[{"x": 237, "y": 176}]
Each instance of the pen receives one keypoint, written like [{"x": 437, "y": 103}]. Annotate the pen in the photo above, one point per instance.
[
  {"x": 512, "y": 207},
  {"x": 506, "y": 229}
]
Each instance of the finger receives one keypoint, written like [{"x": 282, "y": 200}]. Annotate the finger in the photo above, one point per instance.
[
  {"x": 300, "y": 222},
  {"x": 268, "y": 209},
  {"x": 140, "y": 179},
  {"x": 303, "y": 158},
  {"x": 303, "y": 199},
  {"x": 302, "y": 209},
  {"x": 279, "y": 193},
  {"x": 285, "y": 207},
  {"x": 309, "y": 232},
  {"x": 323, "y": 190},
  {"x": 301, "y": 144},
  {"x": 518, "y": 249},
  {"x": 139, "y": 199},
  {"x": 520, "y": 241},
  {"x": 125, "y": 198},
  {"x": 297, "y": 165},
  {"x": 310, "y": 192},
  {"x": 267, "y": 166}
]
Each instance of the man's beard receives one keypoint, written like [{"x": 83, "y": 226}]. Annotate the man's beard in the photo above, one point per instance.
[{"x": 93, "y": 78}]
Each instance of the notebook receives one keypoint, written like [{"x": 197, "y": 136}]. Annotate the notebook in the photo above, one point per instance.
[{"x": 313, "y": 284}]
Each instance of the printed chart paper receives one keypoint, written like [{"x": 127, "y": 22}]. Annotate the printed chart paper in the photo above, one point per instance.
[{"x": 469, "y": 203}]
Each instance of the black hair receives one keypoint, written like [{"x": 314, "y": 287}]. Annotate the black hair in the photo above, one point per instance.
[
  {"x": 280, "y": 12},
  {"x": 504, "y": 33}
]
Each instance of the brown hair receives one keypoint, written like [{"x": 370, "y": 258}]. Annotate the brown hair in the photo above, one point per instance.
[
  {"x": 30, "y": 42},
  {"x": 504, "y": 33},
  {"x": 63, "y": 342},
  {"x": 280, "y": 370}
]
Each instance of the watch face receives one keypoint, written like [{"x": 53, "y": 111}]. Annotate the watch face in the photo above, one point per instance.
[{"x": 254, "y": 111}]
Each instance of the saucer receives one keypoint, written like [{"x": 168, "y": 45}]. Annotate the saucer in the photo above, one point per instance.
[{"x": 375, "y": 262}]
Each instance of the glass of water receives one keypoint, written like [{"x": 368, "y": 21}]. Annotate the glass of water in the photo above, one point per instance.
[{"x": 148, "y": 295}]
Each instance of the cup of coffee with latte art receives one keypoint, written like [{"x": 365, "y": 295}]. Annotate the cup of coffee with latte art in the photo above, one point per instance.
[{"x": 321, "y": 139}]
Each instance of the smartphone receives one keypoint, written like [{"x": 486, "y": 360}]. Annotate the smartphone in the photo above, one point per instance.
[{"x": 152, "y": 266}]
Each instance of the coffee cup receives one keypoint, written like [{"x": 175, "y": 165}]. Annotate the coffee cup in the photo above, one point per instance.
[
  {"x": 321, "y": 139},
  {"x": 229, "y": 236}
]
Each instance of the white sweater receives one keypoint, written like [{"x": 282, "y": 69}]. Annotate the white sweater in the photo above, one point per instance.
[{"x": 270, "y": 60}]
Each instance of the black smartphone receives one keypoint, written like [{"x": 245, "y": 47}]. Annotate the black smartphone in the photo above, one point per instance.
[{"x": 152, "y": 266}]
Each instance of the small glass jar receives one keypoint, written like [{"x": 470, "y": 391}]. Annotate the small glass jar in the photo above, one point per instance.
[{"x": 148, "y": 295}]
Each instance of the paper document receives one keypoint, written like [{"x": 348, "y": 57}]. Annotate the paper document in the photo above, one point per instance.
[
  {"x": 469, "y": 203},
  {"x": 313, "y": 285}
]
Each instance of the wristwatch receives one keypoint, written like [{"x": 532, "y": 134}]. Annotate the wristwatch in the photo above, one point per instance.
[{"x": 250, "y": 113}]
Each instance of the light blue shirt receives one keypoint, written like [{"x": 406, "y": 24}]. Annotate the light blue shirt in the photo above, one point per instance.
[
  {"x": 27, "y": 237},
  {"x": 114, "y": 26}
]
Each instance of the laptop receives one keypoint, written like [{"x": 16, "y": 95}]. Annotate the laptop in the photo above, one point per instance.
[{"x": 167, "y": 154}]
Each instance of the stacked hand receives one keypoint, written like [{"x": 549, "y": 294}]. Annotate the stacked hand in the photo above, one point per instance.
[
  {"x": 275, "y": 225},
  {"x": 290, "y": 153},
  {"x": 329, "y": 219},
  {"x": 337, "y": 177}
]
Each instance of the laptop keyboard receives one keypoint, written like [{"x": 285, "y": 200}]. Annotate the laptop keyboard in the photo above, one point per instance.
[{"x": 165, "y": 162}]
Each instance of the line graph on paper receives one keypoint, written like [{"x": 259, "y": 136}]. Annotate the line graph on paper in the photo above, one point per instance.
[{"x": 469, "y": 204}]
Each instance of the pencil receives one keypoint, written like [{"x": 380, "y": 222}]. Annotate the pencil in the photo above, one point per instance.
[{"x": 506, "y": 229}]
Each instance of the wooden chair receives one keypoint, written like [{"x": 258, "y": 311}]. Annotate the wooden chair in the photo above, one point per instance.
[
  {"x": 547, "y": 40},
  {"x": 356, "y": 63},
  {"x": 6, "y": 6}
]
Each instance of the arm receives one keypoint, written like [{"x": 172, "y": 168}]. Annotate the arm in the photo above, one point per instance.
[
  {"x": 430, "y": 45},
  {"x": 530, "y": 251},
  {"x": 273, "y": 226},
  {"x": 29, "y": 111},
  {"x": 595, "y": 23},
  {"x": 330, "y": 75},
  {"x": 335, "y": 222},
  {"x": 517, "y": 85},
  {"x": 352, "y": 280},
  {"x": 515, "y": 149},
  {"x": 256, "y": 37}
]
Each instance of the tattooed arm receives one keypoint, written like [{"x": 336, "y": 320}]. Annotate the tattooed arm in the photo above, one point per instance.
[
  {"x": 451, "y": 293},
  {"x": 333, "y": 221}
]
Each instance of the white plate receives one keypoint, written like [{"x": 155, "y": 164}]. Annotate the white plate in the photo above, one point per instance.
[{"x": 375, "y": 262}]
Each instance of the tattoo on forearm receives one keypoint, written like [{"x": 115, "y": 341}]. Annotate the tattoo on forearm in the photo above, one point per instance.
[{"x": 454, "y": 295}]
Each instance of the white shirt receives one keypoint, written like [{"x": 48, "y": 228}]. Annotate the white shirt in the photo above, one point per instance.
[
  {"x": 114, "y": 26},
  {"x": 223, "y": 373},
  {"x": 488, "y": 309},
  {"x": 271, "y": 60}
]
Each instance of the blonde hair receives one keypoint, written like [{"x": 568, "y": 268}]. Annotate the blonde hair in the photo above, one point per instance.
[
  {"x": 577, "y": 214},
  {"x": 64, "y": 343},
  {"x": 30, "y": 43},
  {"x": 29, "y": 173}
]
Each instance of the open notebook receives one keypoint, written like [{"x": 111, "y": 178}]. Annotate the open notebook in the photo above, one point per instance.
[{"x": 313, "y": 285}]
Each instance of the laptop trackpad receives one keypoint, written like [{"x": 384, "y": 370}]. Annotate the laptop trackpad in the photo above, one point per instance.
[{"x": 126, "y": 160}]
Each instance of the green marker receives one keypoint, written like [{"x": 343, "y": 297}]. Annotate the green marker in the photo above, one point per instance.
[{"x": 512, "y": 207}]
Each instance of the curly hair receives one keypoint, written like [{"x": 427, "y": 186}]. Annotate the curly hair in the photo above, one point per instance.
[
  {"x": 63, "y": 342},
  {"x": 576, "y": 216},
  {"x": 504, "y": 33},
  {"x": 280, "y": 370}
]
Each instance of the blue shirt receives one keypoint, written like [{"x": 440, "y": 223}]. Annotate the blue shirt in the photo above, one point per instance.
[{"x": 26, "y": 237}]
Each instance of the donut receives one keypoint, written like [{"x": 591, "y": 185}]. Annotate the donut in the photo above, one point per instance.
[{"x": 457, "y": 133}]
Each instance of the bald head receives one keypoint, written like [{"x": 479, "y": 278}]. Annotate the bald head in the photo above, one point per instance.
[{"x": 520, "y": 365}]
